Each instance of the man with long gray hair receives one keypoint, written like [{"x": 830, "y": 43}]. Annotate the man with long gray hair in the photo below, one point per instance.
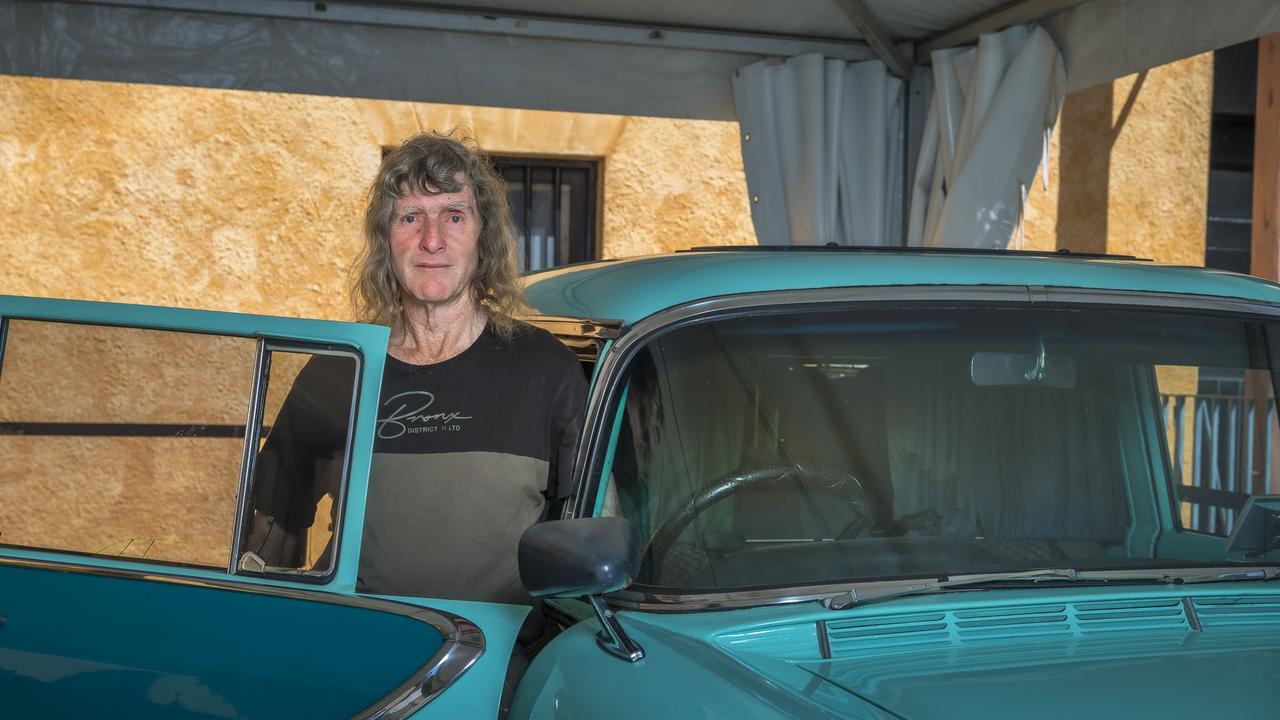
[{"x": 479, "y": 414}]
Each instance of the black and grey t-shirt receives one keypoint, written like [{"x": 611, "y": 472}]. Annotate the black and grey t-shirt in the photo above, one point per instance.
[{"x": 469, "y": 453}]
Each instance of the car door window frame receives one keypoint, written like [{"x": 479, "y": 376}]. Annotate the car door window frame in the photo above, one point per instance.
[
  {"x": 266, "y": 345},
  {"x": 253, "y": 429}
]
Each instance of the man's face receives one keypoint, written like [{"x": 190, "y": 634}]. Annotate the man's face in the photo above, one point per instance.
[{"x": 435, "y": 246}]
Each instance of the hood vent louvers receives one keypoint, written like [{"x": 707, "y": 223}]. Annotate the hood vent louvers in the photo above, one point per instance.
[
  {"x": 879, "y": 631},
  {"x": 1237, "y": 610},
  {"x": 855, "y": 636}
]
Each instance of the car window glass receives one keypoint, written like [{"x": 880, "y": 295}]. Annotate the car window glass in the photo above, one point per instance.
[
  {"x": 296, "y": 490},
  {"x": 1220, "y": 435},
  {"x": 828, "y": 446},
  {"x": 122, "y": 441}
]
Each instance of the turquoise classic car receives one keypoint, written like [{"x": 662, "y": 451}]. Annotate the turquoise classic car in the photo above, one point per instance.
[{"x": 813, "y": 483}]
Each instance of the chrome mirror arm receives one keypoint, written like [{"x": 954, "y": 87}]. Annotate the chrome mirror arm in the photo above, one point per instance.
[{"x": 612, "y": 638}]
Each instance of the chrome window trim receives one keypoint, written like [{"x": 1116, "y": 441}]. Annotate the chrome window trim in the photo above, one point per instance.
[
  {"x": 249, "y": 453},
  {"x": 4, "y": 333},
  {"x": 576, "y": 327},
  {"x": 586, "y": 337},
  {"x": 614, "y": 363},
  {"x": 257, "y": 409},
  {"x": 463, "y": 644}
]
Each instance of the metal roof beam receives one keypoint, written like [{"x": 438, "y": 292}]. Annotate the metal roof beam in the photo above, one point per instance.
[
  {"x": 877, "y": 36},
  {"x": 512, "y": 24},
  {"x": 349, "y": 49}
]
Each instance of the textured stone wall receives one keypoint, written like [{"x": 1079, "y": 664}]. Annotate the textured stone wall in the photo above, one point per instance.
[
  {"x": 165, "y": 498},
  {"x": 252, "y": 201},
  {"x": 199, "y": 198},
  {"x": 669, "y": 186},
  {"x": 666, "y": 184},
  {"x": 1129, "y": 168}
]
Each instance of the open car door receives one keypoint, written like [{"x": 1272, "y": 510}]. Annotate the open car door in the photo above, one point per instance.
[{"x": 135, "y": 452}]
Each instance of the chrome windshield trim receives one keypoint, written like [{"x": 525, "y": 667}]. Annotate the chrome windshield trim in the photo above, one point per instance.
[
  {"x": 853, "y": 593},
  {"x": 463, "y": 644},
  {"x": 613, "y": 365},
  {"x": 655, "y": 601}
]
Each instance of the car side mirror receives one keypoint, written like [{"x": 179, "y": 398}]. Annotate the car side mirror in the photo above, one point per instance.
[{"x": 584, "y": 557}]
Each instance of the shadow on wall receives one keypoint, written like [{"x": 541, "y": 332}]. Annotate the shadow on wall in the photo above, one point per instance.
[{"x": 1086, "y": 137}]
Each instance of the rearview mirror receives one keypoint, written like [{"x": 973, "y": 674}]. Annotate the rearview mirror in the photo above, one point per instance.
[{"x": 1000, "y": 369}]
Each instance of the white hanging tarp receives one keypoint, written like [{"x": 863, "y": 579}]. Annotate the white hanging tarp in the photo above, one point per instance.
[
  {"x": 822, "y": 148},
  {"x": 984, "y": 137}
]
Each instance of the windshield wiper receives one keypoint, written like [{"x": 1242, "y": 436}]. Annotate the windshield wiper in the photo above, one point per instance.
[{"x": 887, "y": 590}]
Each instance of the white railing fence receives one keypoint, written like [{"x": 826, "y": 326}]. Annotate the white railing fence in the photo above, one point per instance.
[{"x": 1221, "y": 449}]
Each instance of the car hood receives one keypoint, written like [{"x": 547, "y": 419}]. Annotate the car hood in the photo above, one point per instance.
[
  {"x": 1103, "y": 655},
  {"x": 1143, "y": 674}
]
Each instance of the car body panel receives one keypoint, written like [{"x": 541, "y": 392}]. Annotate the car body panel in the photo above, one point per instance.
[
  {"x": 148, "y": 648},
  {"x": 1065, "y": 663},
  {"x": 1142, "y": 664},
  {"x": 632, "y": 289},
  {"x": 354, "y": 648},
  {"x": 680, "y": 676}
]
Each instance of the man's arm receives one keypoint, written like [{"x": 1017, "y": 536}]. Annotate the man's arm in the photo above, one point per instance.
[
  {"x": 568, "y": 410},
  {"x": 294, "y": 468}
]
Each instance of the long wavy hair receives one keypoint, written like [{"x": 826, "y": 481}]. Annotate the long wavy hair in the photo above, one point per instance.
[{"x": 429, "y": 163}]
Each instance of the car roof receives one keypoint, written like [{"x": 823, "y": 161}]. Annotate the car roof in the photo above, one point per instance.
[{"x": 630, "y": 289}]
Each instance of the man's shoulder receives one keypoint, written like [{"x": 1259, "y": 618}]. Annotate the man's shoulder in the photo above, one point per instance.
[{"x": 529, "y": 341}]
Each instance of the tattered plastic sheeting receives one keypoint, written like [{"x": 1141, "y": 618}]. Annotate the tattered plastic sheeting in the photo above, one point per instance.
[
  {"x": 822, "y": 148},
  {"x": 984, "y": 137}
]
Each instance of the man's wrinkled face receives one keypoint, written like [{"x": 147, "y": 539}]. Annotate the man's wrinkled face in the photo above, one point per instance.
[{"x": 435, "y": 245}]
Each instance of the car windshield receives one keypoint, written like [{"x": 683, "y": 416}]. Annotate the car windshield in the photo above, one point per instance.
[{"x": 844, "y": 445}]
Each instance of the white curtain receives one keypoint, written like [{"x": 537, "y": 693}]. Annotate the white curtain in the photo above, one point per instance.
[
  {"x": 822, "y": 144},
  {"x": 984, "y": 136},
  {"x": 822, "y": 147},
  {"x": 1017, "y": 462}
]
